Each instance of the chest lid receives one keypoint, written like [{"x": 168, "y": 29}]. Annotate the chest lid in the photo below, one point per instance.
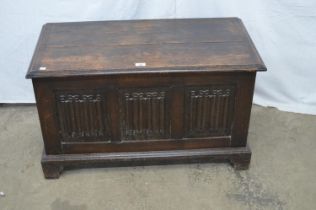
[{"x": 143, "y": 46}]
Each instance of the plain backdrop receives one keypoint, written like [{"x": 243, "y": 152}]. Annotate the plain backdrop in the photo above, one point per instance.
[{"x": 284, "y": 32}]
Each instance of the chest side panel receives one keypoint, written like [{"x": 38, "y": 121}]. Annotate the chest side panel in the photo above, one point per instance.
[
  {"x": 209, "y": 110},
  {"x": 82, "y": 116}
]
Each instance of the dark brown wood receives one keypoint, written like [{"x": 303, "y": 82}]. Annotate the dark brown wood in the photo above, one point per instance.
[
  {"x": 113, "y": 47},
  {"x": 144, "y": 92}
]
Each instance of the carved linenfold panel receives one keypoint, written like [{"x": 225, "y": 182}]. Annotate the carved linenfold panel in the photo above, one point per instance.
[
  {"x": 82, "y": 117},
  {"x": 144, "y": 114},
  {"x": 209, "y": 110}
]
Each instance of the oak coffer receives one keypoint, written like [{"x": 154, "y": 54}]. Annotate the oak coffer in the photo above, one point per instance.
[{"x": 139, "y": 92}]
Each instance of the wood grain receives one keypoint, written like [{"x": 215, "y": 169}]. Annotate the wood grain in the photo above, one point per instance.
[{"x": 113, "y": 47}]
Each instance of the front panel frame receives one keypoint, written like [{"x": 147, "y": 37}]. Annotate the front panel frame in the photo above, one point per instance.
[{"x": 176, "y": 86}]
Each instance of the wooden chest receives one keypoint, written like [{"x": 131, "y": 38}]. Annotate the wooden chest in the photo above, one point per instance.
[{"x": 115, "y": 93}]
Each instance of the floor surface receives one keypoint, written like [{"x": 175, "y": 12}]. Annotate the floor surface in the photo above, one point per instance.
[{"x": 282, "y": 174}]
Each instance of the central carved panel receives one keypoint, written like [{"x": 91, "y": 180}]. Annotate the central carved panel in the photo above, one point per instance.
[{"x": 145, "y": 114}]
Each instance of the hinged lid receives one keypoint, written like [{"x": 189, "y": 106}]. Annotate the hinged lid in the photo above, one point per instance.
[{"x": 138, "y": 46}]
